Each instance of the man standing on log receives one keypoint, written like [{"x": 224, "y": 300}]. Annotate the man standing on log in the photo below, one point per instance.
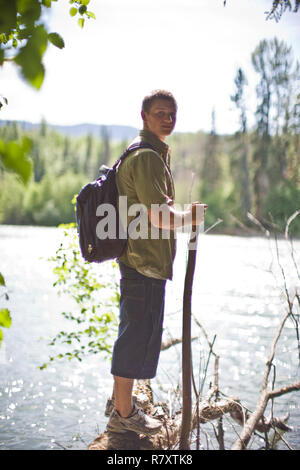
[{"x": 145, "y": 179}]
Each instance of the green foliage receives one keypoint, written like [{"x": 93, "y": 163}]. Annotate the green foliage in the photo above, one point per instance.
[
  {"x": 24, "y": 39},
  {"x": 278, "y": 75},
  {"x": 62, "y": 165},
  {"x": 13, "y": 156},
  {"x": 282, "y": 201},
  {"x": 96, "y": 301},
  {"x": 12, "y": 198},
  {"x": 280, "y": 6},
  {"x": 221, "y": 200},
  {"x": 14, "y": 153},
  {"x": 238, "y": 98},
  {"x": 46, "y": 203},
  {"x": 30, "y": 57},
  {"x": 5, "y": 318},
  {"x": 24, "y": 35},
  {"x": 49, "y": 202},
  {"x": 234, "y": 174},
  {"x": 56, "y": 40}
]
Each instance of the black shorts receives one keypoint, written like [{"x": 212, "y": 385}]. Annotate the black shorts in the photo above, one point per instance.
[{"x": 137, "y": 348}]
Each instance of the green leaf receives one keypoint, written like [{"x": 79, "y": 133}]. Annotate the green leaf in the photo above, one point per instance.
[
  {"x": 2, "y": 281},
  {"x": 47, "y": 3},
  {"x": 56, "y": 40},
  {"x": 1, "y": 56},
  {"x": 8, "y": 18},
  {"x": 81, "y": 22},
  {"x": 90, "y": 14},
  {"x": 82, "y": 9},
  {"x": 73, "y": 11},
  {"x": 30, "y": 57},
  {"x": 38, "y": 79},
  {"x": 5, "y": 318},
  {"x": 84, "y": 2},
  {"x": 3, "y": 39},
  {"x": 30, "y": 11}
]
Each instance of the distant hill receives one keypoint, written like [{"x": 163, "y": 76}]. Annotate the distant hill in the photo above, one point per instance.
[{"x": 114, "y": 132}]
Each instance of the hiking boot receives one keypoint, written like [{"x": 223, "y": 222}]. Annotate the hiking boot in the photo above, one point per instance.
[
  {"x": 111, "y": 403},
  {"x": 138, "y": 422}
]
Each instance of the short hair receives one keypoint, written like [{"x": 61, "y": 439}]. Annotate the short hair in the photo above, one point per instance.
[{"x": 157, "y": 94}]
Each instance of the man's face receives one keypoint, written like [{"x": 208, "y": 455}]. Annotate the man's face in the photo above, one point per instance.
[{"x": 161, "y": 118}]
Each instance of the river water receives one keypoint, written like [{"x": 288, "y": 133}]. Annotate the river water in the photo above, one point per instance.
[{"x": 238, "y": 297}]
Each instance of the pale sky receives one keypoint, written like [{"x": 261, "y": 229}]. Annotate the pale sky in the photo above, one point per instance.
[{"x": 190, "y": 47}]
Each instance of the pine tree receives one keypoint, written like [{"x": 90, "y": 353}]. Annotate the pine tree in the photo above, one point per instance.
[
  {"x": 211, "y": 170},
  {"x": 88, "y": 155},
  {"x": 273, "y": 61},
  {"x": 242, "y": 164},
  {"x": 105, "y": 152}
]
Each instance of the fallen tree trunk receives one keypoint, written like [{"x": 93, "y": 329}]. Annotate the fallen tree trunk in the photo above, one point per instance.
[{"x": 169, "y": 436}]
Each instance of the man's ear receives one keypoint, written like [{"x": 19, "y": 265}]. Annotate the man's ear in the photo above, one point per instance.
[{"x": 143, "y": 115}]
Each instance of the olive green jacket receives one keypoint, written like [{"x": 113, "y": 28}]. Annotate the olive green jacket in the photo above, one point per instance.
[{"x": 145, "y": 179}]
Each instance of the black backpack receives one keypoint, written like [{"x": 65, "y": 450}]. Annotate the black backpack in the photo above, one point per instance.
[{"x": 101, "y": 191}]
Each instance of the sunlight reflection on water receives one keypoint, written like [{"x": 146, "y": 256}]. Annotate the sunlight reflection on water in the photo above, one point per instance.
[{"x": 237, "y": 295}]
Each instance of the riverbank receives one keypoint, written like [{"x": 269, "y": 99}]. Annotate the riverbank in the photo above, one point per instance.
[{"x": 215, "y": 230}]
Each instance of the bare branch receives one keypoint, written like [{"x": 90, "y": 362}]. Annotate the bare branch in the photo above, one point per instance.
[
  {"x": 290, "y": 219},
  {"x": 172, "y": 342},
  {"x": 213, "y": 226},
  {"x": 252, "y": 421},
  {"x": 258, "y": 223},
  {"x": 283, "y": 390},
  {"x": 278, "y": 436},
  {"x": 211, "y": 351}
]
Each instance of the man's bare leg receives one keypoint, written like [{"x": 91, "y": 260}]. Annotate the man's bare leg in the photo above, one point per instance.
[
  {"x": 123, "y": 419},
  {"x": 123, "y": 395}
]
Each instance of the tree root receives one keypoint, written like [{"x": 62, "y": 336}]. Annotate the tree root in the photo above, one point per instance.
[{"x": 169, "y": 435}]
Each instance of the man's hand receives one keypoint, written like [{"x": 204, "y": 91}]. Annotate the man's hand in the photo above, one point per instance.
[
  {"x": 166, "y": 217},
  {"x": 198, "y": 212}
]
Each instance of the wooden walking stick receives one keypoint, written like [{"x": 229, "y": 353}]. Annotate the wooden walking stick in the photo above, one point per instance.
[{"x": 186, "y": 342}]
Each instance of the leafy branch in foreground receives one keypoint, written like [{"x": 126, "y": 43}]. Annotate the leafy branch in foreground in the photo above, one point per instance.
[
  {"x": 13, "y": 158},
  {"x": 24, "y": 38},
  {"x": 278, "y": 8},
  {"x": 96, "y": 298},
  {"x": 24, "y": 35}
]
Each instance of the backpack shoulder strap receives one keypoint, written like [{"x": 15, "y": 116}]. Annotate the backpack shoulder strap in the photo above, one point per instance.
[{"x": 132, "y": 148}]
